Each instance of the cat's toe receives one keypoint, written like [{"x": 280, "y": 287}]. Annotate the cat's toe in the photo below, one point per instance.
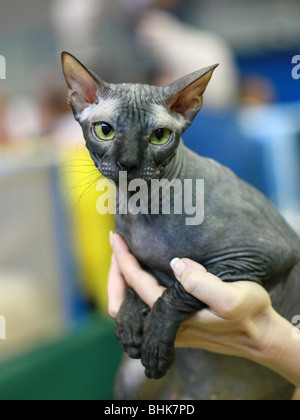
[
  {"x": 156, "y": 358},
  {"x": 134, "y": 352},
  {"x": 130, "y": 339}
]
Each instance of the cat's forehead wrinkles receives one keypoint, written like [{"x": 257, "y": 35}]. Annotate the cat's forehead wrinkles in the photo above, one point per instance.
[
  {"x": 103, "y": 111},
  {"x": 136, "y": 93},
  {"x": 135, "y": 111},
  {"x": 132, "y": 107}
]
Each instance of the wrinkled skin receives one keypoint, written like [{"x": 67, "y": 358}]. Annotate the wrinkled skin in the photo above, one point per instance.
[{"x": 242, "y": 237}]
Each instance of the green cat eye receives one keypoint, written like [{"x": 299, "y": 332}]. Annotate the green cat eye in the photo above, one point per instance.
[
  {"x": 160, "y": 136},
  {"x": 104, "y": 131}
]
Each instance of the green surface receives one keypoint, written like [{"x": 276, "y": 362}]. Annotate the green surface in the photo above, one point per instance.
[{"x": 79, "y": 366}]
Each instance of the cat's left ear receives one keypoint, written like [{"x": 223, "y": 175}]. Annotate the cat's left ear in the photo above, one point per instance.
[
  {"x": 84, "y": 88},
  {"x": 185, "y": 95}
]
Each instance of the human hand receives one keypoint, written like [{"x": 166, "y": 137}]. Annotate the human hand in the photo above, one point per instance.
[
  {"x": 239, "y": 319},
  {"x": 236, "y": 321},
  {"x": 125, "y": 270}
]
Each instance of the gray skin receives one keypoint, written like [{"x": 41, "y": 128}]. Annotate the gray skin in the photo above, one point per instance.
[{"x": 242, "y": 237}]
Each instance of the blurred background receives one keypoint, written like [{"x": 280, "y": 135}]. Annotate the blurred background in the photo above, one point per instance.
[{"x": 54, "y": 251}]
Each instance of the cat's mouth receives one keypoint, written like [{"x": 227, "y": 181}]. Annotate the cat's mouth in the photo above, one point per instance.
[
  {"x": 105, "y": 169},
  {"x": 112, "y": 172},
  {"x": 96, "y": 159}
]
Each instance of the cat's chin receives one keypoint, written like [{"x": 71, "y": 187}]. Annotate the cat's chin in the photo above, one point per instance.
[{"x": 126, "y": 178}]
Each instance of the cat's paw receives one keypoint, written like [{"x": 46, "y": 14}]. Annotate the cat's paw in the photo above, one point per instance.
[
  {"x": 157, "y": 355},
  {"x": 130, "y": 324},
  {"x": 130, "y": 336}
]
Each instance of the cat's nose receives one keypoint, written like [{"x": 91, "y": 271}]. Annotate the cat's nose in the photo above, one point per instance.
[{"x": 127, "y": 164}]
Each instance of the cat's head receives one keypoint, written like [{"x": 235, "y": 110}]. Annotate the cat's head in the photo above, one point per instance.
[{"x": 131, "y": 127}]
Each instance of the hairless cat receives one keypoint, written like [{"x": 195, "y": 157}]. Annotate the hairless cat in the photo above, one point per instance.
[{"x": 137, "y": 129}]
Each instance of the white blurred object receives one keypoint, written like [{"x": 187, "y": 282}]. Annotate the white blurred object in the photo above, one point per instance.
[
  {"x": 275, "y": 129},
  {"x": 182, "y": 49},
  {"x": 31, "y": 280},
  {"x": 75, "y": 20},
  {"x": 22, "y": 119},
  {"x": 66, "y": 131},
  {"x": 27, "y": 312}
]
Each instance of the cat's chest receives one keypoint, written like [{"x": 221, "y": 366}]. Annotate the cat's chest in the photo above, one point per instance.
[{"x": 154, "y": 239}]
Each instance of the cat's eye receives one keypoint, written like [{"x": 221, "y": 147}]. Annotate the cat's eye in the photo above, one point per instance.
[
  {"x": 160, "y": 136},
  {"x": 104, "y": 131}
]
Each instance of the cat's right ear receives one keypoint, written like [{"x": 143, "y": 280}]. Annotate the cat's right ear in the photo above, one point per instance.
[
  {"x": 185, "y": 96},
  {"x": 84, "y": 88}
]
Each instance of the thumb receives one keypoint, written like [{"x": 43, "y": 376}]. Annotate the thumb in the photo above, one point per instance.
[
  {"x": 179, "y": 266},
  {"x": 201, "y": 284}
]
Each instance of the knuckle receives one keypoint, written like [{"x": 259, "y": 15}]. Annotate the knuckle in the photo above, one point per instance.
[
  {"x": 232, "y": 303},
  {"x": 191, "y": 282},
  {"x": 112, "y": 312}
]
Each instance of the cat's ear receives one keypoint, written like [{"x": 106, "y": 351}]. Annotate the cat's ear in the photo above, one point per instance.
[
  {"x": 185, "y": 95},
  {"x": 84, "y": 88}
]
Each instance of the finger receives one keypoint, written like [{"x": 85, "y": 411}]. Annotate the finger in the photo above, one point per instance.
[
  {"x": 142, "y": 282},
  {"x": 123, "y": 254},
  {"x": 208, "y": 288},
  {"x": 206, "y": 318},
  {"x": 199, "y": 339},
  {"x": 115, "y": 289}
]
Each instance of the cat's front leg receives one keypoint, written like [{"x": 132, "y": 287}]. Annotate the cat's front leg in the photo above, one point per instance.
[
  {"x": 130, "y": 323},
  {"x": 161, "y": 326}
]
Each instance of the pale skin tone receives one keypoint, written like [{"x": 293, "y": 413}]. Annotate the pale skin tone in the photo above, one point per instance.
[{"x": 239, "y": 319}]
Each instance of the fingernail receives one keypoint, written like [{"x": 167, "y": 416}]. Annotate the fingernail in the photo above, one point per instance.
[
  {"x": 178, "y": 266},
  {"x": 111, "y": 240}
]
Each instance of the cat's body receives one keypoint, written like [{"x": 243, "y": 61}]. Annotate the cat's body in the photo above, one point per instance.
[
  {"x": 138, "y": 129},
  {"x": 241, "y": 245},
  {"x": 238, "y": 234}
]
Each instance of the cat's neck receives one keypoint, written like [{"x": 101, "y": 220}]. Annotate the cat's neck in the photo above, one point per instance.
[{"x": 176, "y": 168}]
